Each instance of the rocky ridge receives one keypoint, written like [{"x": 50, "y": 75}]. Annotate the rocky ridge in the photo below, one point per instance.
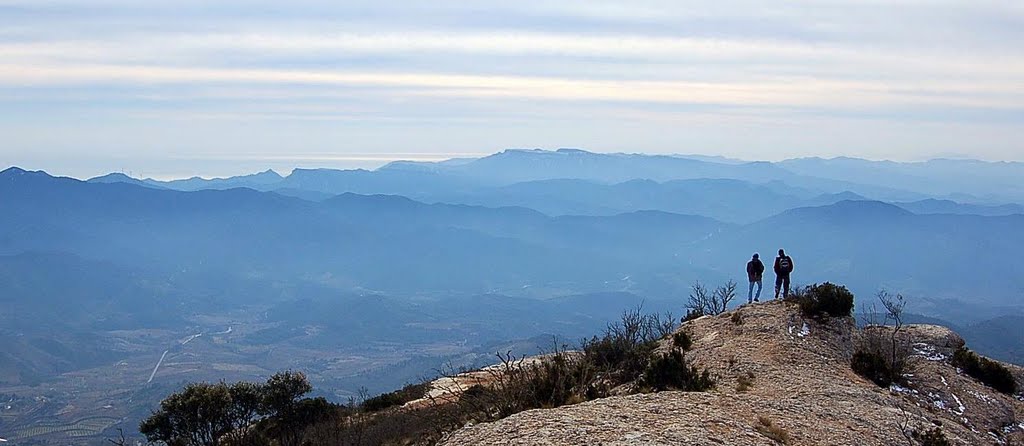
[{"x": 800, "y": 390}]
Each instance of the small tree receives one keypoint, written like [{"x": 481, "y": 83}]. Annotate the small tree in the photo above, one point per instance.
[
  {"x": 883, "y": 357},
  {"x": 704, "y": 301},
  {"x": 281, "y": 396},
  {"x": 204, "y": 414},
  {"x": 894, "y": 312},
  {"x": 199, "y": 415}
]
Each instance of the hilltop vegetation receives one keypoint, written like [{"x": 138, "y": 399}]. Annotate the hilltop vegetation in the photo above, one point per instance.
[{"x": 776, "y": 372}]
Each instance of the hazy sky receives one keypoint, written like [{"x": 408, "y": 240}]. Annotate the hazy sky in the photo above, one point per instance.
[{"x": 222, "y": 87}]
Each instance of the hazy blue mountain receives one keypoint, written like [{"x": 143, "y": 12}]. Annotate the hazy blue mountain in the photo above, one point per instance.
[
  {"x": 727, "y": 200},
  {"x": 261, "y": 181},
  {"x": 967, "y": 181},
  {"x": 517, "y": 165},
  {"x": 122, "y": 178},
  {"x": 997, "y": 182},
  {"x": 395, "y": 244},
  {"x": 933, "y": 206},
  {"x": 392, "y": 182},
  {"x": 367, "y": 241},
  {"x": 309, "y": 195},
  {"x": 1000, "y": 337}
]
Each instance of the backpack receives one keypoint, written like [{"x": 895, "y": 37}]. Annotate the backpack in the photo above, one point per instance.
[{"x": 786, "y": 264}]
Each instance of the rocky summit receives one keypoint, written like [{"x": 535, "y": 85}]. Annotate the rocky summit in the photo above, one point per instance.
[{"x": 782, "y": 378}]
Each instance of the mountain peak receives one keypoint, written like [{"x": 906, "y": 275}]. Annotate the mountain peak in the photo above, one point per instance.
[
  {"x": 13, "y": 170},
  {"x": 112, "y": 177},
  {"x": 799, "y": 387},
  {"x": 268, "y": 174},
  {"x": 17, "y": 172}
]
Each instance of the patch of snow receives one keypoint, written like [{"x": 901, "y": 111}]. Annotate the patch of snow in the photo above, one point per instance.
[
  {"x": 804, "y": 331},
  {"x": 944, "y": 380},
  {"x": 982, "y": 397},
  {"x": 633, "y": 435},
  {"x": 928, "y": 352},
  {"x": 896, "y": 388},
  {"x": 960, "y": 404},
  {"x": 791, "y": 329}
]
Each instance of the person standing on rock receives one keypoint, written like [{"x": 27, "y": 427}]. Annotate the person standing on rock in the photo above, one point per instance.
[
  {"x": 755, "y": 269},
  {"x": 783, "y": 268}
]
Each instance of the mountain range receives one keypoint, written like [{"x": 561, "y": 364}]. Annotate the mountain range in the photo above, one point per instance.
[{"x": 344, "y": 273}]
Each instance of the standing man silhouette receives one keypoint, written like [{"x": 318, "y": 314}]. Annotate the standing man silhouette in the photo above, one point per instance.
[
  {"x": 755, "y": 269},
  {"x": 783, "y": 267}
]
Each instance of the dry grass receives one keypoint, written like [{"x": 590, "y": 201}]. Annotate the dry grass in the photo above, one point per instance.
[{"x": 775, "y": 433}]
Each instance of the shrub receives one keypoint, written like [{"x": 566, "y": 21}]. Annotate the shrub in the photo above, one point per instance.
[
  {"x": 874, "y": 366},
  {"x": 737, "y": 318},
  {"x": 682, "y": 340},
  {"x": 744, "y": 382},
  {"x": 775, "y": 433},
  {"x": 990, "y": 373},
  {"x": 931, "y": 437},
  {"x": 241, "y": 413},
  {"x": 623, "y": 351},
  {"x": 670, "y": 371},
  {"x": 826, "y": 299},
  {"x": 693, "y": 313},
  {"x": 396, "y": 398}
]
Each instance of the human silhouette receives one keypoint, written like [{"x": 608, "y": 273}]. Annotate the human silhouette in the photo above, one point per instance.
[
  {"x": 755, "y": 269},
  {"x": 783, "y": 268}
]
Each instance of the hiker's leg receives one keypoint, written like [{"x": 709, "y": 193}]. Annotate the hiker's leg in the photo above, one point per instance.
[
  {"x": 785, "y": 283},
  {"x": 778, "y": 284},
  {"x": 750, "y": 292},
  {"x": 758, "y": 295}
]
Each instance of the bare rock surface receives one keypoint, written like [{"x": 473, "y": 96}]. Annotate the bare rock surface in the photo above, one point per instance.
[{"x": 802, "y": 385}]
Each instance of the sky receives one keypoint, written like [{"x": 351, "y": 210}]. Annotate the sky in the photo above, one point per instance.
[{"x": 214, "y": 88}]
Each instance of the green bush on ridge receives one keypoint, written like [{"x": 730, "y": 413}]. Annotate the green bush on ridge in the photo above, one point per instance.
[
  {"x": 991, "y": 373},
  {"x": 826, "y": 299}
]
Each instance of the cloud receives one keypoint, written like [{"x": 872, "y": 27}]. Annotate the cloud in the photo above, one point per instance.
[{"x": 653, "y": 65}]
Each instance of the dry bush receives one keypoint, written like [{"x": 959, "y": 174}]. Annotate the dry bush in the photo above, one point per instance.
[
  {"x": 775, "y": 433},
  {"x": 670, "y": 371},
  {"x": 682, "y": 340},
  {"x": 745, "y": 382},
  {"x": 990, "y": 373},
  {"x": 736, "y": 318},
  {"x": 709, "y": 302}
]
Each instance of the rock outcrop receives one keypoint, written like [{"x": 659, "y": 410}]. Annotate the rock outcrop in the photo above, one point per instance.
[{"x": 797, "y": 389}]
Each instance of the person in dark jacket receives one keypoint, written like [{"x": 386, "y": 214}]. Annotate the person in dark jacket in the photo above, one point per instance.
[
  {"x": 783, "y": 268},
  {"x": 755, "y": 269}
]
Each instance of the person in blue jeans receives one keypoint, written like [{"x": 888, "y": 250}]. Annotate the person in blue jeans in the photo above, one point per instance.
[
  {"x": 755, "y": 269},
  {"x": 783, "y": 268}
]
